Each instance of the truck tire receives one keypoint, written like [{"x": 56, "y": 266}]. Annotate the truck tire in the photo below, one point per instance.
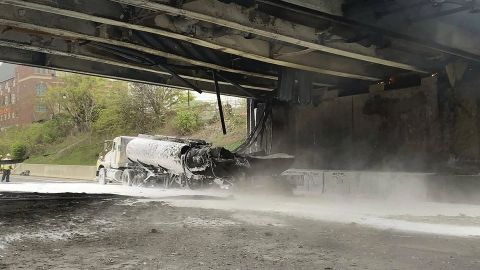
[
  {"x": 102, "y": 176},
  {"x": 127, "y": 177},
  {"x": 138, "y": 178}
]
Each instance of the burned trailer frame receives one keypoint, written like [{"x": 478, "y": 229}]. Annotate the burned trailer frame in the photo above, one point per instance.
[
  {"x": 201, "y": 164},
  {"x": 171, "y": 162},
  {"x": 168, "y": 162}
]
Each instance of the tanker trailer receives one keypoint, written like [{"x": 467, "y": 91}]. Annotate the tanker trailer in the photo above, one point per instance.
[{"x": 168, "y": 161}]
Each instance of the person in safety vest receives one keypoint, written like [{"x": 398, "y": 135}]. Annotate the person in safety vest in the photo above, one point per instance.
[{"x": 7, "y": 169}]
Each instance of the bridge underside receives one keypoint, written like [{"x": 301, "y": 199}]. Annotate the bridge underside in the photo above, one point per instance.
[{"x": 301, "y": 56}]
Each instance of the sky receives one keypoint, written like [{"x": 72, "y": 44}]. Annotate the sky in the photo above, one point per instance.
[{"x": 212, "y": 97}]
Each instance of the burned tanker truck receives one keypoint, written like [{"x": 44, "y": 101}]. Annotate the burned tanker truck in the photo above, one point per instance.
[{"x": 183, "y": 163}]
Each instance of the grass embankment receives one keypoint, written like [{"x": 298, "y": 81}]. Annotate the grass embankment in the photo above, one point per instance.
[
  {"x": 74, "y": 150},
  {"x": 213, "y": 134}
]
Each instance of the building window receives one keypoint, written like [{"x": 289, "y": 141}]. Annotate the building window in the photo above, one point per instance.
[
  {"x": 13, "y": 98},
  {"x": 41, "y": 107},
  {"x": 7, "y": 99},
  {"x": 13, "y": 114},
  {"x": 41, "y": 89}
]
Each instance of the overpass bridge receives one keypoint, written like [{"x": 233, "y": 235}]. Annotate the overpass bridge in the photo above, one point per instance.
[{"x": 321, "y": 76}]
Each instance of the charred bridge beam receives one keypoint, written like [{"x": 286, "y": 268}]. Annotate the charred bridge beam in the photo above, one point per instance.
[
  {"x": 48, "y": 46},
  {"x": 435, "y": 36},
  {"x": 258, "y": 23},
  {"x": 235, "y": 44},
  {"x": 65, "y": 63},
  {"x": 34, "y": 21}
]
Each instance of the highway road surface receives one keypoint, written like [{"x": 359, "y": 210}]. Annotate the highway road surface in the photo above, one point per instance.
[{"x": 67, "y": 224}]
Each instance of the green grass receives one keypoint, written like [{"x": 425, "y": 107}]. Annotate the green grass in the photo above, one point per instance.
[
  {"x": 232, "y": 146},
  {"x": 78, "y": 150}
]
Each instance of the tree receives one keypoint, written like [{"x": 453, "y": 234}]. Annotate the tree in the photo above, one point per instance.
[
  {"x": 115, "y": 116},
  {"x": 139, "y": 109},
  {"x": 19, "y": 150},
  {"x": 81, "y": 97},
  {"x": 155, "y": 103},
  {"x": 187, "y": 122}
]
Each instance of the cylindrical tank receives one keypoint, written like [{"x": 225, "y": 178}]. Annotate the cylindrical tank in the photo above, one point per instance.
[{"x": 163, "y": 153}]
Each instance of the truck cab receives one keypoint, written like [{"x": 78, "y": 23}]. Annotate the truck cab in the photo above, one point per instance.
[{"x": 113, "y": 159}]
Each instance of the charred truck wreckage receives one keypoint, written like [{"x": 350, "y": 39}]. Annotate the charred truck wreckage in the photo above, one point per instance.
[
  {"x": 340, "y": 85},
  {"x": 174, "y": 162}
]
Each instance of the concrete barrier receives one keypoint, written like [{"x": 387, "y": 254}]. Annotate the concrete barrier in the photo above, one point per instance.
[
  {"x": 58, "y": 171},
  {"x": 400, "y": 185}
]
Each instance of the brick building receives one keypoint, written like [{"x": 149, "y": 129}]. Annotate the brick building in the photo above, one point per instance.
[{"x": 22, "y": 94}]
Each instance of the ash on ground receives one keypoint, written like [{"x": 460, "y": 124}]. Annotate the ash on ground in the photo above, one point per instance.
[{"x": 79, "y": 231}]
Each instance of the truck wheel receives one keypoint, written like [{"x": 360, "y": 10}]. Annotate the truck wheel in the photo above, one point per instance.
[
  {"x": 138, "y": 179},
  {"x": 102, "y": 176},
  {"x": 127, "y": 177}
]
